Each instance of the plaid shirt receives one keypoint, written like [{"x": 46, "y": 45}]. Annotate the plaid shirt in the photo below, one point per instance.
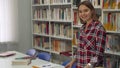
[{"x": 91, "y": 43}]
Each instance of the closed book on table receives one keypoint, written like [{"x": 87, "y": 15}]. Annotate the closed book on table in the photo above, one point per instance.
[{"x": 21, "y": 62}]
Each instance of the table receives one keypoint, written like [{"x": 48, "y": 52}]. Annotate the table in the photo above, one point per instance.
[{"x": 36, "y": 62}]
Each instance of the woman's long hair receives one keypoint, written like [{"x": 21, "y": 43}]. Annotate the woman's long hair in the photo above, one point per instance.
[{"x": 90, "y": 6}]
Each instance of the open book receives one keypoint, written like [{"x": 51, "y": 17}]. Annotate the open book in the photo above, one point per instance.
[{"x": 49, "y": 65}]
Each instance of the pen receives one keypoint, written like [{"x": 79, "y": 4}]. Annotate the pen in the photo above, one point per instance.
[
  {"x": 46, "y": 65},
  {"x": 23, "y": 57},
  {"x": 35, "y": 67}
]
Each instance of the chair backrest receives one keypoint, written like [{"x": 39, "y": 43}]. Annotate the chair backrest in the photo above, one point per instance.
[
  {"x": 67, "y": 61},
  {"x": 31, "y": 52},
  {"x": 44, "y": 56}
]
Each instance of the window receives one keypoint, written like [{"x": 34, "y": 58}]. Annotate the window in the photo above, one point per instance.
[{"x": 8, "y": 21}]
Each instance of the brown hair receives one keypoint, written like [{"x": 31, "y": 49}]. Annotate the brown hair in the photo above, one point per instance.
[{"x": 90, "y": 6}]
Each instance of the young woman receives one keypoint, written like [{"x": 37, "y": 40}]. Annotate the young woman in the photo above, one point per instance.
[{"x": 92, "y": 38}]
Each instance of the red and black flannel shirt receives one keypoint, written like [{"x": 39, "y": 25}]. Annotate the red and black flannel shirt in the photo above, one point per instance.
[{"x": 91, "y": 43}]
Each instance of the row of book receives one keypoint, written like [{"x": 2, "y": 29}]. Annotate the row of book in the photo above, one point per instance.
[
  {"x": 106, "y": 4},
  {"x": 75, "y": 2},
  {"x": 61, "y": 45},
  {"x": 59, "y": 1},
  {"x": 111, "y": 4},
  {"x": 111, "y": 21},
  {"x": 112, "y": 43},
  {"x": 41, "y": 42},
  {"x": 41, "y": 28},
  {"x": 59, "y": 29},
  {"x": 41, "y": 1},
  {"x": 50, "y": 1},
  {"x": 55, "y": 29},
  {"x": 40, "y": 13},
  {"x": 95, "y": 2},
  {"x": 112, "y": 62},
  {"x": 61, "y": 14},
  {"x": 56, "y": 44},
  {"x": 56, "y": 13}
]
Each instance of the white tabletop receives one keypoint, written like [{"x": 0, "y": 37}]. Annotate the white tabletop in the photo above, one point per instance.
[{"x": 6, "y": 62}]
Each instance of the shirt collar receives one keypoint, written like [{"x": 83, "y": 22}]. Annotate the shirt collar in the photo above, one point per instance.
[{"x": 90, "y": 25}]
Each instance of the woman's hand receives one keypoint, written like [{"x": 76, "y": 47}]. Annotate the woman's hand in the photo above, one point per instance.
[
  {"x": 69, "y": 65},
  {"x": 88, "y": 66}
]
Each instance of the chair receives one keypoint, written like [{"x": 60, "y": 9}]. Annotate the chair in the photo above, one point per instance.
[
  {"x": 67, "y": 61},
  {"x": 44, "y": 56},
  {"x": 31, "y": 52}
]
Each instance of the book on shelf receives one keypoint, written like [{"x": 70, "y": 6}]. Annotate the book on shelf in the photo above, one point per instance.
[
  {"x": 96, "y": 2},
  {"x": 41, "y": 42},
  {"x": 118, "y": 22},
  {"x": 41, "y": 13},
  {"x": 118, "y": 3},
  {"x": 76, "y": 20},
  {"x": 110, "y": 21},
  {"x": 56, "y": 45},
  {"x": 76, "y": 35},
  {"x": 66, "y": 53},
  {"x": 60, "y": 29},
  {"x": 60, "y": 45},
  {"x": 112, "y": 43},
  {"x": 60, "y": 14},
  {"x": 36, "y": 28},
  {"x": 41, "y": 2},
  {"x": 111, "y": 4},
  {"x": 41, "y": 27},
  {"x": 111, "y": 62},
  {"x": 36, "y": 2},
  {"x": 45, "y": 28},
  {"x": 45, "y": 43},
  {"x": 59, "y": 1},
  {"x": 37, "y": 42}
]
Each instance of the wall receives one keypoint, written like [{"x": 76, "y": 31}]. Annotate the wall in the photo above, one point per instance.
[
  {"x": 25, "y": 32},
  {"x": 24, "y": 29}
]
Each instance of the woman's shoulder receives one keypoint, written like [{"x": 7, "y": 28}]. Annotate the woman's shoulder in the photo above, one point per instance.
[{"x": 98, "y": 25}]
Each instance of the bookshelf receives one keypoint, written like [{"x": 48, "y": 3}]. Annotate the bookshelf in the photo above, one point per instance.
[
  {"x": 56, "y": 25},
  {"x": 110, "y": 19},
  {"x": 52, "y": 26}
]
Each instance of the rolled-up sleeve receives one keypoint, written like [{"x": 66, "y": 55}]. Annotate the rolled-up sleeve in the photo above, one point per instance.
[{"x": 100, "y": 41}]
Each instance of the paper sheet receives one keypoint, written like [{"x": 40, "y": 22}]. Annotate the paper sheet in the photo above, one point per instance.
[{"x": 49, "y": 65}]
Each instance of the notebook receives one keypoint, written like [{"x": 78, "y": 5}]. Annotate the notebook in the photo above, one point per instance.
[{"x": 7, "y": 54}]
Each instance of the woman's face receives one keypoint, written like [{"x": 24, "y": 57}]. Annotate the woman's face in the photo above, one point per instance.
[{"x": 84, "y": 13}]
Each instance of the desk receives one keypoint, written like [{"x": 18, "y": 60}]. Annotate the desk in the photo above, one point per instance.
[{"x": 36, "y": 62}]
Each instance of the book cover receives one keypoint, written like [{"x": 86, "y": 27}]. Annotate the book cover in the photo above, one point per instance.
[
  {"x": 7, "y": 54},
  {"x": 21, "y": 62}
]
